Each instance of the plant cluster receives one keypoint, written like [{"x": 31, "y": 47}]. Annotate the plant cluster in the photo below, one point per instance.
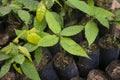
[{"x": 40, "y": 16}]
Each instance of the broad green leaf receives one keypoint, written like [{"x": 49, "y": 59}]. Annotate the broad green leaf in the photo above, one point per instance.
[
  {"x": 30, "y": 47},
  {"x": 72, "y": 47},
  {"x": 24, "y": 16},
  {"x": 19, "y": 58},
  {"x": 103, "y": 21},
  {"x": 25, "y": 52},
  {"x": 81, "y": 5},
  {"x": 72, "y": 30},
  {"x": 43, "y": 34},
  {"x": 38, "y": 55},
  {"x": 91, "y": 2},
  {"x": 5, "y": 68},
  {"x": 40, "y": 25},
  {"x": 91, "y": 5},
  {"x": 29, "y": 70},
  {"x": 4, "y": 56},
  {"x": 103, "y": 13},
  {"x": 49, "y": 40},
  {"x": 52, "y": 20},
  {"x": 40, "y": 13},
  {"x": 21, "y": 33},
  {"x": 33, "y": 38},
  {"x": 30, "y": 4},
  {"x": 13, "y": 49},
  {"x": 15, "y": 5},
  {"x": 4, "y": 10},
  {"x": 91, "y": 32}
]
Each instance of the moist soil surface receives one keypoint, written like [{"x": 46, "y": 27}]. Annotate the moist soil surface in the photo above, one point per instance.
[
  {"x": 9, "y": 76},
  {"x": 97, "y": 75},
  {"x": 77, "y": 78},
  {"x": 45, "y": 60},
  {"x": 113, "y": 70},
  {"x": 86, "y": 47},
  {"x": 62, "y": 60},
  {"x": 108, "y": 42}
]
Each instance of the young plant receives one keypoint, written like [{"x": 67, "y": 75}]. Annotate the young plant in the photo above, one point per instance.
[
  {"x": 97, "y": 13},
  {"x": 54, "y": 22},
  {"x": 15, "y": 54}
]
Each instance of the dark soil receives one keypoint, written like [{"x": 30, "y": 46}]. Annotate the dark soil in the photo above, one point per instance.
[
  {"x": 97, "y": 75},
  {"x": 9, "y": 76},
  {"x": 21, "y": 77},
  {"x": 4, "y": 38},
  {"x": 106, "y": 4},
  {"x": 77, "y": 78},
  {"x": 86, "y": 47},
  {"x": 45, "y": 60},
  {"x": 62, "y": 60},
  {"x": 113, "y": 70},
  {"x": 12, "y": 24},
  {"x": 108, "y": 42}
]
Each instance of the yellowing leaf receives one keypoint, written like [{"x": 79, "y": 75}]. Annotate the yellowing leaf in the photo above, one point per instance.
[
  {"x": 57, "y": 1},
  {"x": 16, "y": 40},
  {"x": 40, "y": 11},
  {"x": 25, "y": 52},
  {"x": 33, "y": 38},
  {"x": 17, "y": 69},
  {"x": 33, "y": 30}
]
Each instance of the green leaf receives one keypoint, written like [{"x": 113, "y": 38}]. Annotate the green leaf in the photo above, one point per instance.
[
  {"x": 13, "y": 49},
  {"x": 38, "y": 55},
  {"x": 19, "y": 58},
  {"x": 72, "y": 47},
  {"x": 81, "y": 5},
  {"x": 21, "y": 33},
  {"x": 25, "y": 52},
  {"x": 15, "y": 5},
  {"x": 30, "y": 4},
  {"x": 43, "y": 34},
  {"x": 4, "y": 56},
  {"x": 4, "y": 10},
  {"x": 91, "y": 32},
  {"x": 91, "y": 3},
  {"x": 48, "y": 40},
  {"x": 33, "y": 38},
  {"x": 24, "y": 16},
  {"x": 5, "y": 68},
  {"x": 40, "y": 25},
  {"x": 40, "y": 13},
  {"x": 30, "y": 70},
  {"x": 103, "y": 21},
  {"x": 30, "y": 47},
  {"x": 72, "y": 30},
  {"x": 53, "y": 22},
  {"x": 103, "y": 13}
]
